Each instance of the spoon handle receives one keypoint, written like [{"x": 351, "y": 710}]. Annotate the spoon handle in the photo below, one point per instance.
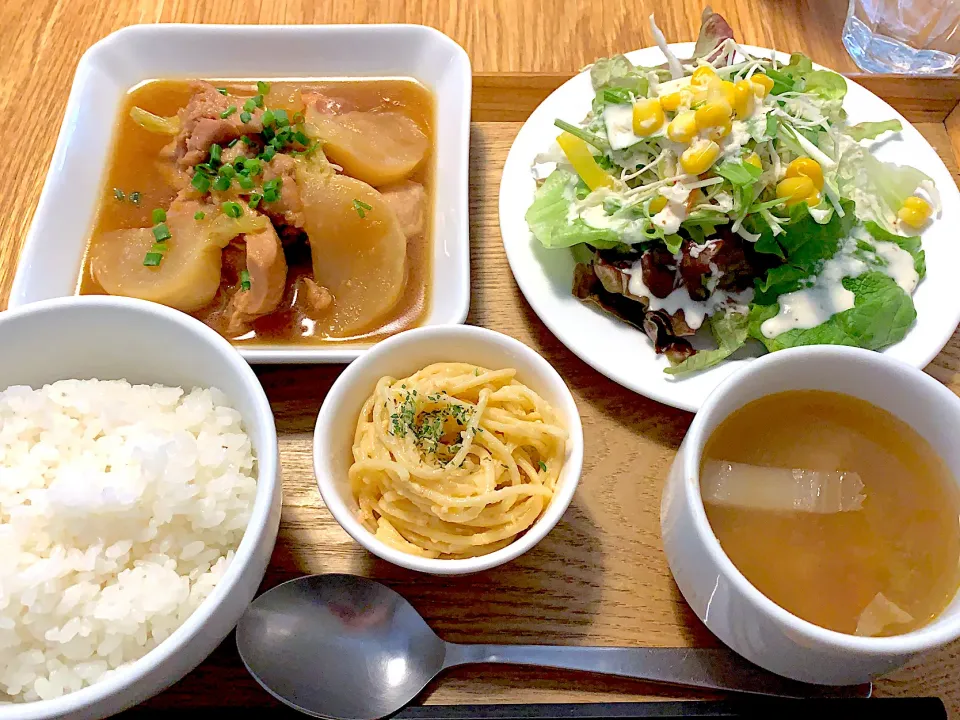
[{"x": 716, "y": 669}]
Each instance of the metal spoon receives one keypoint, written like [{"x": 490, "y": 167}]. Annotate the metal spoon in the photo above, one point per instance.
[{"x": 349, "y": 648}]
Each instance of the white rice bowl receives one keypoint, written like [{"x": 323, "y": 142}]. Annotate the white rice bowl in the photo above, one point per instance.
[{"x": 121, "y": 507}]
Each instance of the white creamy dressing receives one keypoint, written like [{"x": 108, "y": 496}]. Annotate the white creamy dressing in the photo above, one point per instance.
[
  {"x": 618, "y": 120},
  {"x": 694, "y": 311},
  {"x": 675, "y": 211},
  {"x": 826, "y": 296},
  {"x": 733, "y": 143}
]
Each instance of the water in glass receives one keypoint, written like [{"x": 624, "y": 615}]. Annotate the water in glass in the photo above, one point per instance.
[{"x": 904, "y": 36}]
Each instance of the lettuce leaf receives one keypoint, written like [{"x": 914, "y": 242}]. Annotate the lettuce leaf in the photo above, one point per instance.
[
  {"x": 881, "y": 315},
  {"x": 618, "y": 72},
  {"x": 909, "y": 243},
  {"x": 872, "y": 130},
  {"x": 826, "y": 84},
  {"x": 548, "y": 221},
  {"x": 730, "y": 332}
]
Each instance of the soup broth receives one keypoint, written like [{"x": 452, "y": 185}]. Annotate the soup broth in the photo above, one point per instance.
[
  {"x": 836, "y": 510},
  {"x": 148, "y": 171}
]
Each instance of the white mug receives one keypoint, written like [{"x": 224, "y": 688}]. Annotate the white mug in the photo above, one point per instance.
[{"x": 732, "y": 608}]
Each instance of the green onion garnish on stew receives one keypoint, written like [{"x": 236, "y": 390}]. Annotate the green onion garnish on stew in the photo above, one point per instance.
[
  {"x": 361, "y": 207},
  {"x": 228, "y": 112},
  {"x": 248, "y": 141},
  {"x": 161, "y": 232},
  {"x": 228, "y": 171},
  {"x": 231, "y": 209},
  {"x": 255, "y": 199},
  {"x": 158, "y": 216},
  {"x": 271, "y": 190},
  {"x": 118, "y": 194},
  {"x": 297, "y": 118},
  {"x": 222, "y": 91},
  {"x": 245, "y": 182},
  {"x": 281, "y": 117},
  {"x": 201, "y": 181},
  {"x": 543, "y": 466},
  {"x": 258, "y": 99},
  {"x": 268, "y": 152},
  {"x": 221, "y": 184},
  {"x": 245, "y": 280},
  {"x": 268, "y": 118},
  {"x": 135, "y": 197},
  {"x": 250, "y": 105},
  {"x": 233, "y": 142},
  {"x": 152, "y": 259},
  {"x": 198, "y": 215},
  {"x": 215, "y": 151},
  {"x": 263, "y": 87},
  {"x": 252, "y": 166},
  {"x": 245, "y": 117}
]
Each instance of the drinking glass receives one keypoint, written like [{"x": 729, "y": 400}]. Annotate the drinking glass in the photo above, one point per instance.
[{"x": 904, "y": 36}]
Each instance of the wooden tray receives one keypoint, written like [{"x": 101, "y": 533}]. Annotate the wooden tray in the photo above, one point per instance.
[{"x": 600, "y": 577}]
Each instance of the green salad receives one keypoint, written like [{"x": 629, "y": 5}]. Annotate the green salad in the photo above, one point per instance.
[{"x": 729, "y": 192}]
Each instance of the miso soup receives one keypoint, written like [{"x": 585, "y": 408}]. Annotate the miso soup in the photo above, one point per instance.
[{"x": 836, "y": 510}]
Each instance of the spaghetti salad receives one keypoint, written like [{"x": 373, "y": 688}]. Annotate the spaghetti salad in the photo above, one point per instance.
[
  {"x": 454, "y": 461},
  {"x": 728, "y": 191}
]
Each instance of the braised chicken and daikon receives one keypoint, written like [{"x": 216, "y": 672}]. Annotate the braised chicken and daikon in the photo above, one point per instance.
[{"x": 274, "y": 213}]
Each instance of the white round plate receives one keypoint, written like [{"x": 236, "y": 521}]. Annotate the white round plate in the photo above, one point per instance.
[{"x": 623, "y": 353}]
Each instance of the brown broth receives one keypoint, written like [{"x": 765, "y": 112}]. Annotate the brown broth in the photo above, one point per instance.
[
  {"x": 826, "y": 568},
  {"x": 135, "y": 166}
]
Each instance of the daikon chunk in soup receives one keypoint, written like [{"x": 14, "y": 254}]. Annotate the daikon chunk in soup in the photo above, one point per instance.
[{"x": 836, "y": 510}]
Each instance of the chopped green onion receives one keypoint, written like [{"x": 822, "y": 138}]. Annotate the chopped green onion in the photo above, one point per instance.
[
  {"x": 222, "y": 183},
  {"x": 233, "y": 142},
  {"x": 228, "y": 112},
  {"x": 158, "y": 216},
  {"x": 263, "y": 87},
  {"x": 361, "y": 207},
  {"x": 258, "y": 99},
  {"x": 222, "y": 91},
  {"x": 248, "y": 141},
  {"x": 301, "y": 138},
  {"x": 161, "y": 232},
  {"x": 135, "y": 197},
  {"x": 268, "y": 118},
  {"x": 252, "y": 166},
  {"x": 231, "y": 209},
  {"x": 543, "y": 466},
  {"x": 250, "y": 105},
  {"x": 215, "y": 151},
  {"x": 118, "y": 194},
  {"x": 245, "y": 117},
  {"x": 198, "y": 215},
  {"x": 268, "y": 152},
  {"x": 228, "y": 171},
  {"x": 281, "y": 117},
  {"x": 255, "y": 199},
  {"x": 160, "y": 247},
  {"x": 201, "y": 181},
  {"x": 245, "y": 280},
  {"x": 206, "y": 167},
  {"x": 297, "y": 118},
  {"x": 152, "y": 259},
  {"x": 245, "y": 182}
]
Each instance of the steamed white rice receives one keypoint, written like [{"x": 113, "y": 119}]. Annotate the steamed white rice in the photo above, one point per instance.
[{"x": 120, "y": 508}]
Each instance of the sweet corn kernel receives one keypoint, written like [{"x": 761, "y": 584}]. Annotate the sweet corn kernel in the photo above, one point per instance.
[
  {"x": 657, "y": 204},
  {"x": 806, "y": 167},
  {"x": 703, "y": 75},
  {"x": 713, "y": 119},
  {"x": 763, "y": 82},
  {"x": 753, "y": 159},
  {"x": 647, "y": 117},
  {"x": 743, "y": 99},
  {"x": 726, "y": 90},
  {"x": 796, "y": 189},
  {"x": 699, "y": 157},
  {"x": 683, "y": 127},
  {"x": 915, "y": 211},
  {"x": 671, "y": 102},
  {"x": 580, "y": 156}
]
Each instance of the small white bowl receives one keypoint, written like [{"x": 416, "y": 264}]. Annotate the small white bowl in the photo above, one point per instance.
[
  {"x": 52, "y": 254},
  {"x": 403, "y": 355},
  {"x": 118, "y": 338},
  {"x": 738, "y": 613}
]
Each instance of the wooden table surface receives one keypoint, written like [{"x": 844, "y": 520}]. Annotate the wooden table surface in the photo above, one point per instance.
[{"x": 600, "y": 577}]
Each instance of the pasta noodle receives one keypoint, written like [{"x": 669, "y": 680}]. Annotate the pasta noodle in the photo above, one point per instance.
[{"x": 454, "y": 461}]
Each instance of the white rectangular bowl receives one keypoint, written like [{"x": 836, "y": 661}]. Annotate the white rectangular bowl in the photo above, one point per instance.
[{"x": 50, "y": 262}]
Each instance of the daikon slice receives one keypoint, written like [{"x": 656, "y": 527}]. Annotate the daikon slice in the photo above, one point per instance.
[
  {"x": 879, "y": 614},
  {"x": 784, "y": 489}
]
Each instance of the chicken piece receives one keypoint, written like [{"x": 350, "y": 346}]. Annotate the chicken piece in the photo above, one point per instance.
[
  {"x": 188, "y": 276},
  {"x": 408, "y": 200},
  {"x": 201, "y": 124},
  {"x": 377, "y": 147},
  {"x": 288, "y": 209},
  {"x": 312, "y": 299},
  {"x": 357, "y": 246},
  {"x": 267, "y": 268}
]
